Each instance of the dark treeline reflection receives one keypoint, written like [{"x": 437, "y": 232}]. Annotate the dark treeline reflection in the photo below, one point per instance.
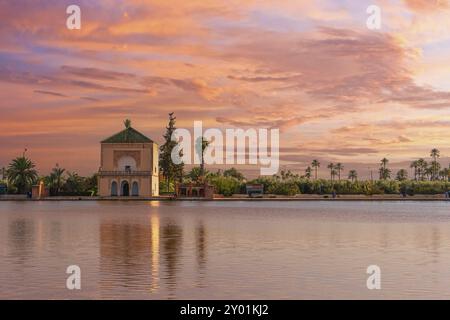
[
  {"x": 22, "y": 238},
  {"x": 171, "y": 240},
  {"x": 27, "y": 236},
  {"x": 200, "y": 240}
]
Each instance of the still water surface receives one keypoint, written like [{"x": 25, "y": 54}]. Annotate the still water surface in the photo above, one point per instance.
[{"x": 224, "y": 250}]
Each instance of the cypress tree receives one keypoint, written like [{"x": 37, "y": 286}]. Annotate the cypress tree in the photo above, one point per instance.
[{"x": 169, "y": 169}]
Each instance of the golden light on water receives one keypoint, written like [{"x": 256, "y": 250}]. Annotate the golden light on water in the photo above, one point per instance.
[{"x": 154, "y": 225}]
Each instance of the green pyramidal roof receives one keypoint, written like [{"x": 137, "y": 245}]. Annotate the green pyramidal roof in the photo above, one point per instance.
[{"x": 129, "y": 135}]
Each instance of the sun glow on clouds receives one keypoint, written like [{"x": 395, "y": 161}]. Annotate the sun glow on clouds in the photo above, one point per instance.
[{"x": 336, "y": 90}]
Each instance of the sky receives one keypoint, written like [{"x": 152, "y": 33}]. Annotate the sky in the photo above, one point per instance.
[{"x": 337, "y": 91}]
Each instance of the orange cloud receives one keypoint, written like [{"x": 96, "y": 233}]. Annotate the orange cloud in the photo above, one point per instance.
[
  {"x": 426, "y": 6},
  {"x": 335, "y": 89}
]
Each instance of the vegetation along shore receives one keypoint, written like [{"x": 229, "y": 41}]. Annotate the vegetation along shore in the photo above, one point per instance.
[
  {"x": 230, "y": 184},
  {"x": 429, "y": 179}
]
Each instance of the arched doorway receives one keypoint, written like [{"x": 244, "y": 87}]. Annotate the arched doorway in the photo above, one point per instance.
[
  {"x": 125, "y": 188},
  {"x": 135, "y": 189},
  {"x": 114, "y": 189}
]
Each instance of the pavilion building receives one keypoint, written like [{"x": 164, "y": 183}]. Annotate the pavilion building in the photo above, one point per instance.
[{"x": 129, "y": 165}]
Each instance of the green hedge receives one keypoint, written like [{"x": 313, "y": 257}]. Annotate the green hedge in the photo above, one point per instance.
[
  {"x": 226, "y": 186},
  {"x": 321, "y": 186}
]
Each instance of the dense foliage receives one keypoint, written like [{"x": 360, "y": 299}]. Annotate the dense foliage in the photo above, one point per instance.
[
  {"x": 226, "y": 186},
  {"x": 168, "y": 168},
  {"x": 166, "y": 189},
  {"x": 21, "y": 174},
  {"x": 62, "y": 183},
  {"x": 322, "y": 186},
  {"x": 427, "y": 178}
]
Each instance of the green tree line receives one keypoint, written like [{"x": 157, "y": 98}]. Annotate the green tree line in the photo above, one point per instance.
[
  {"x": 427, "y": 178},
  {"x": 21, "y": 175}
]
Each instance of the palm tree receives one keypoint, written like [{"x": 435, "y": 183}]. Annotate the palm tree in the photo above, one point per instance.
[
  {"x": 435, "y": 167},
  {"x": 73, "y": 183},
  {"x": 339, "y": 167},
  {"x": 331, "y": 167},
  {"x": 385, "y": 173},
  {"x": 333, "y": 174},
  {"x": 57, "y": 176},
  {"x": 402, "y": 175},
  {"x": 21, "y": 173},
  {"x": 316, "y": 165},
  {"x": 384, "y": 162},
  {"x": 444, "y": 174},
  {"x": 434, "y": 153},
  {"x": 422, "y": 167},
  {"x": 203, "y": 144},
  {"x": 353, "y": 175},
  {"x": 414, "y": 165},
  {"x": 428, "y": 173},
  {"x": 308, "y": 172}
]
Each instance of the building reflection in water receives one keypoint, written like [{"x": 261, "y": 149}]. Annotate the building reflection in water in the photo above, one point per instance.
[
  {"x": 137, "y": 256},
  {"x": 129, "y": 254},
  {"x": 154, "y": 221},
  {"x": 154, "y": 226},
  {"x": 172, "y": 251}
]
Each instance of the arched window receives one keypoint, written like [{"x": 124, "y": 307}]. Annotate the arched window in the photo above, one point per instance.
[
  {"x": 127, "y": 163},
  {"x": 135, "y": 189},
  {"x": 114, "y": 189}
]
